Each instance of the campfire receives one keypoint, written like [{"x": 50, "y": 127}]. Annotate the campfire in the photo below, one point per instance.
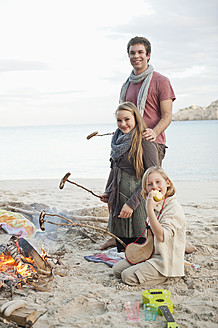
[{"x": 20, "y": 264}]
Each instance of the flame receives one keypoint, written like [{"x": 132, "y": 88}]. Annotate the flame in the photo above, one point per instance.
[
  {"x": 6, "y": 260},
  {"x": 44, "y": 254},
  {"x": 24, "y": 269},
  {"x": 17, "y": 271},
  {"x": 20, "y": 272}
]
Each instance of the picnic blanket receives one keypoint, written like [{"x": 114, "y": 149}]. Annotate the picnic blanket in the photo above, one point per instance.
[
  {"x": 109, "y": 257},
  {"x": 16, "y": 224}
]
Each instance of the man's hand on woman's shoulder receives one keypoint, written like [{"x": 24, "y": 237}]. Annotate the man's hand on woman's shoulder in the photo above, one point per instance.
[{"x": 149, "y": 134}]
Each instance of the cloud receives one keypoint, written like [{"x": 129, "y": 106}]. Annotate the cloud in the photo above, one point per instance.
[
  {"x": 189, "y": 72},
  {"x": 178, "y": 30},
  {"x": 184, "y": 38},
  {"x": 19, "y": 65},
  {"x": 57, "y": 56}
]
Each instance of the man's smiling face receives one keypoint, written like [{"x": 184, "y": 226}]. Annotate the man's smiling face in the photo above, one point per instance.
[{"x": 138, "y": 58}]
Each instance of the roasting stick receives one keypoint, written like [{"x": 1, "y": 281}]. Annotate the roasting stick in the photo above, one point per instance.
[
  {"x": 75, "y": 217},
  {"x": 71, "y": 223},
  {"x": 95, "y": 134},
  {"x": 65, "y": 179}
]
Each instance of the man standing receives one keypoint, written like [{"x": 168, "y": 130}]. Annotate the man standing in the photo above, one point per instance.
[
  {"x": 153, "y": 95},
  {"x": 150, "y": 91}
]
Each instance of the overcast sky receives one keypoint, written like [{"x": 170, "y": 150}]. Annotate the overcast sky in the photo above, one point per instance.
[{"x": 64, "y": 61}]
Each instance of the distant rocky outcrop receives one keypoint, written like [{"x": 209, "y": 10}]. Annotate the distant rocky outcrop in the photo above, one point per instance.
[{"x": 194, "y": 112}]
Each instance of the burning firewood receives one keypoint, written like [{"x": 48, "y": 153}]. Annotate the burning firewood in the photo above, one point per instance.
[
  {"x": 20, "y": 263},
  {"x": 22, "y": 252},
  {"x": 42, "y": 221},
  {"x": 13, "y": 250}
]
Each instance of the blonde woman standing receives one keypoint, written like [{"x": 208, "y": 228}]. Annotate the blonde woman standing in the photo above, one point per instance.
[{"x": 131, "y": 155}]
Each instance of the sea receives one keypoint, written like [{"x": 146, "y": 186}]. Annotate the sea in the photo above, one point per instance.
[{"x": 48, "y": 152}]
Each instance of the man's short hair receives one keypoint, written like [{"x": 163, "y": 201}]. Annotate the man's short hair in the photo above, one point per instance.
[{"x": 140, "y": 40}]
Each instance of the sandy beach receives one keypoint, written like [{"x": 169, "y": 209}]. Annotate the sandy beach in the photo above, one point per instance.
[{"x": 86, "y": 294}]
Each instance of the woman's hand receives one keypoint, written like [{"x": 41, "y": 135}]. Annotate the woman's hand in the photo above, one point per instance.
[
  {"x": 126, "y": 212},
  {"x": 104, "y": 198}
]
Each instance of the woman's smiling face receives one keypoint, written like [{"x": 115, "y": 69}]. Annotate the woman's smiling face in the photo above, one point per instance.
[{"x": 125, "y": 121}]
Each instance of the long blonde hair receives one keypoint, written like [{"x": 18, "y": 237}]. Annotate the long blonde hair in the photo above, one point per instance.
[
  {"x": 170, "y": 190},
  {"x": 136, "y": 150}
]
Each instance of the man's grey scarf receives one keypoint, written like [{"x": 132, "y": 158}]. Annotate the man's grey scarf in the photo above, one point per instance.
[
  {"x": 143, "y": 92},
  {"x": 120, "y": 143}
]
